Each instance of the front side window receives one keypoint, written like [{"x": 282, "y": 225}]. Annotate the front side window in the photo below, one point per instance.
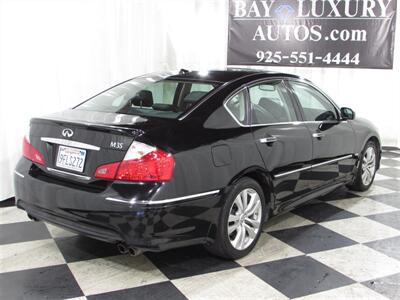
[
  {"x": 315, "y": 105},
  {"x": 270, "y": 103},
  {"x": 237, "y": 106},
  {"x": 151, "y": 96}
]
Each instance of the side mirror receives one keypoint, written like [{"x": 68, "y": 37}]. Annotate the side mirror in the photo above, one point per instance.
[{"x": 347, "y": 113}]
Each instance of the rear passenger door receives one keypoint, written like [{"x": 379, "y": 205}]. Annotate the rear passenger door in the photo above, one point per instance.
[
  {"x": 284, "y": 143},
  {"x": 333, "y": 139}
]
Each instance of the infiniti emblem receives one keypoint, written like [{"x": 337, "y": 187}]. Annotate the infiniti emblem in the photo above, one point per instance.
[{"x": 67, "y": 132}]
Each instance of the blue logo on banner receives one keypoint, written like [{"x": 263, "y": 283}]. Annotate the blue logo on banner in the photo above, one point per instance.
[{"x": 284, "y": 11}]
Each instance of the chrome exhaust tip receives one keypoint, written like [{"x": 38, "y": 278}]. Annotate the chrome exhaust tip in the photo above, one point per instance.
[
  {"x": 134, "y": 251},
  {"x": 122, "y": 248}
]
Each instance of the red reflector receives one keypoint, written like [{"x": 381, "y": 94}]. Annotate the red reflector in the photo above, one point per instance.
[
  {"x": 107, "y": 171},
  {"x": 32, "y": 153},
  {"x": 154, "y": 166}
]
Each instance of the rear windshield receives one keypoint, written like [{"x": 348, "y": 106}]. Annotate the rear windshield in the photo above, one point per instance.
[{"x": 151, "y": 96}]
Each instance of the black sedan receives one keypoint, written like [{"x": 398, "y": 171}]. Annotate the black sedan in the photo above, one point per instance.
[{"x": 174, "y": 159}]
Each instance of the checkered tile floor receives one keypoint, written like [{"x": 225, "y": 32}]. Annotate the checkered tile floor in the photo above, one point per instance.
[{"x": 343, "y": 246}]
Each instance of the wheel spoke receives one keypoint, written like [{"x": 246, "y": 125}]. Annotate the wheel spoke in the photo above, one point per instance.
[
  {"x": 238, "y": 238},
  {"x": 371, "y": 169},
  {"x": 251, "y": 231},
  {"x": 364, "y": 165},
  {"x": 364, "y": 177},
  {"x": 372, "y": 158},
  {"x": 370, "y": 173},
  {"x": 252, "y": 203},
  {"x": 242, "y": 237},
  {"x": 369, "y": 154},
  {"x": 239, "y": 204},
  {"x": 233, "y": 218},
  {"x": 253, "y": 223},
  {"x": 368, "y": 176},
  {"x": 255, "y": 208},
  {"x": 232, "y": 228},
  {"x": 243, "y": 197}
]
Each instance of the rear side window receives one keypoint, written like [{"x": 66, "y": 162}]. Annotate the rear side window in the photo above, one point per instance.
[
  {"x": 150, "y": 97},
  {"x": 315, "y": 105},
  {"x": 201, "y": 87},
  {"x": 163, "y": 91},
  {"x": 270, "y": 103},
  {"x": 236, "y": 105},
  {"x": 193, "y": 93}
]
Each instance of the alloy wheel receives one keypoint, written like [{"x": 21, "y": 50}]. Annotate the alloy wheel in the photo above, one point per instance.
[
  {"x": 368, "y": 166},
  {"x": 244, "y": 219}
]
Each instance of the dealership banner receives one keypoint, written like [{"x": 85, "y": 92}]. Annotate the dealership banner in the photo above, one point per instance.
[{"x": 308, "y": 33}]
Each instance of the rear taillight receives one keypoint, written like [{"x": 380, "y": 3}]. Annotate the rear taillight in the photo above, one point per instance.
[
  {"x": 31, "y": 152},
  {"x": 154, "y": 166},
  {"x": 107, "y": 171},
  {"x": 141, "y": 163}
]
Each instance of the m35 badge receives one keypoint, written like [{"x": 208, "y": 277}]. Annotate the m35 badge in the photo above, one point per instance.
[{"x": 116, "y": 145}]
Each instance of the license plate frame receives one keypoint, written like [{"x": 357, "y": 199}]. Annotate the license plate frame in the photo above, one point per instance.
[{"x": 70, "y": 158}]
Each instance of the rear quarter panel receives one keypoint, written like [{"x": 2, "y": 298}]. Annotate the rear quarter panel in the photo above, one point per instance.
[
  {"x": 209, "y": 147},
  {"x": 206, "y": 159}
]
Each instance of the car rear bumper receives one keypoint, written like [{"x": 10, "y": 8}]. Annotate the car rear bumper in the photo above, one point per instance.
[{"x": 108, "y": 216}]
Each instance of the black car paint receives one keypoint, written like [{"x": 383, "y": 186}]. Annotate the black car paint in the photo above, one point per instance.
[{"x": 211, "y": 150}]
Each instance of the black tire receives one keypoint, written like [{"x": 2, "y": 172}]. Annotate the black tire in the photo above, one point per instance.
[
  {"x": 358, "y": 184},
  {"x": 222, "y": 246}
]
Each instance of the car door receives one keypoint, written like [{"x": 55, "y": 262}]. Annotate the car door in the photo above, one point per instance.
[
  {"x": 333, "y": 139},
  {"x": 284, "y": 143}
]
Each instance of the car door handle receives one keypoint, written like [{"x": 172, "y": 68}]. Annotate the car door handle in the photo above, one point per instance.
[
  {"x": 318, "y": 135},
  {"x": 268, "y": 139}
]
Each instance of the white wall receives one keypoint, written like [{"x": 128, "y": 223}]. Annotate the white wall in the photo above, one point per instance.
[{"x": 56, "y": 53}]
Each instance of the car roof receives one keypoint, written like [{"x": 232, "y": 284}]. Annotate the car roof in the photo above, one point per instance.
[{"x": 226, "y": 75}]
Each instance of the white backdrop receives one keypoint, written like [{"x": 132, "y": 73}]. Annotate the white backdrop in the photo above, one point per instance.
[{"x": 56, "y": 53}]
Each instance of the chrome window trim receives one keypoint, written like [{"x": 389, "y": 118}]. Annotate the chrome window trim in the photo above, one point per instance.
[
  {"x": 307, "y": 82},
  {"x": 195, "y": 106},
  {"x": 315, "y": 165},
  {"x": 68, "y": 173},
  {"x": 69, "y": 143},
  {"x": 19, "y": 174},
  {"x": 270, "y": 124},
  {"x": 229, "y": 98},
  {"x": 246, "y": 85},
  {"x": 155, "y": 202}
]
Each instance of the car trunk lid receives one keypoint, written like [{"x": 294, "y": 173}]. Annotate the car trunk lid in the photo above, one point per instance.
[{"x": 75, "y": 142}]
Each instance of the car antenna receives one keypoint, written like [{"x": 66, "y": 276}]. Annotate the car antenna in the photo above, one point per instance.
[{"x": 183, "y": 71}]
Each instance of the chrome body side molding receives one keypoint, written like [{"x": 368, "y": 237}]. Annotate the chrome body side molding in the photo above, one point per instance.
[
  {"x": 171, "y": 200},
  {"x": 291, "y": 172},
  {"x": 315, "y": 165}
]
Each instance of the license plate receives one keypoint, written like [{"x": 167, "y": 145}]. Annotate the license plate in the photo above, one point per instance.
[{"x": 71, "y": 158}]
